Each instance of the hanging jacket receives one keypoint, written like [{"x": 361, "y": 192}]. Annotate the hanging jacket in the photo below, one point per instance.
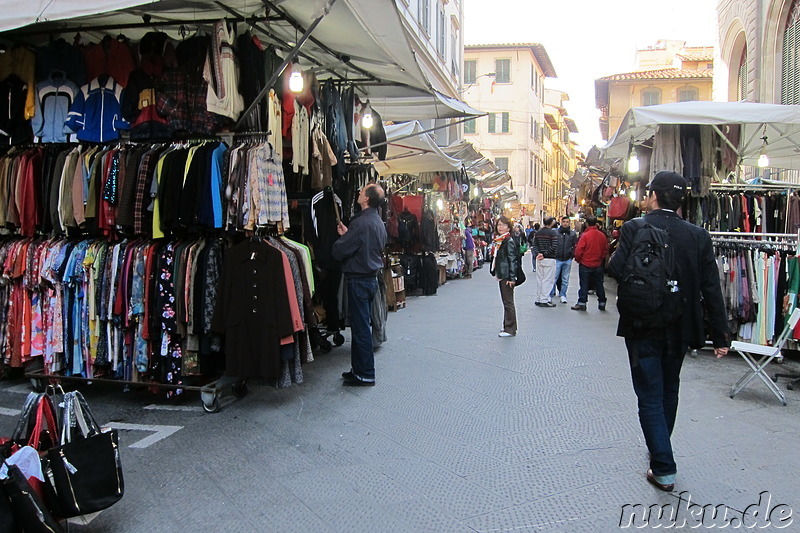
[
  {"x": 14, "y": 128},
  {"x": 54, "y": 97},
  {"x": 96, "y": 114}
]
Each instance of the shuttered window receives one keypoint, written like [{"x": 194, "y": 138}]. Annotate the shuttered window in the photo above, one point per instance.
[
  {"x": 504, "y": 120},
  {"x": 469, "y": 126},
  {"x": 502, "y": 69},
  {"x": 470, "y": 71},
  {"x": 651, "y": 96},
  {"x": 790, "y": 76},
  {"x": 688, "y": 94},
  {"x": 741, "y": 89}
]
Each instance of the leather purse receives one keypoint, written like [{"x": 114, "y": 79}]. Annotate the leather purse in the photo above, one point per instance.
[
  {"x": 29, "y": 510},
  {"x": 84, "y": 473},
  {"x": 619, "y": 207}
]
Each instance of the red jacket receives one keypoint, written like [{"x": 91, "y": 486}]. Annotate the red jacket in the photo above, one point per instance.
[{"x": 592, "y": 248}]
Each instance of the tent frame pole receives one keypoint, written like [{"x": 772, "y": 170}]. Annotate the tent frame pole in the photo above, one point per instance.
[{"x": 288, "y": 59}]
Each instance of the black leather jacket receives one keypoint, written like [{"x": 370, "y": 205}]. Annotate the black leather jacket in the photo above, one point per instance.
[{"x": 507, "y": 260}]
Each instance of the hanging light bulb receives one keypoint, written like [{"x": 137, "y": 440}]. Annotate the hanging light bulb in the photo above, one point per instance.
[
  {"x": 439, "y": 204},
  {"x": 367, "y": 121},
  {"x": 633, "y": 162},
  {"x": 296, "y": 83},
  {"x": 763, "y": 159}
]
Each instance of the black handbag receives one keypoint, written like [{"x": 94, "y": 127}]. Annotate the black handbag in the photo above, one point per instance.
[
  {"x": 84, "y": 473},
  {"x": 29, "y": 510},
  {"x": 520, "y": 274}
]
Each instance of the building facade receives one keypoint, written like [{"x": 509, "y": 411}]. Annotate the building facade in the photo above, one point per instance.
[
  {"x": 507, "y": 81},
  {"x": 435, "y": 29},
  {"x": 665, "y": 73},
  {"x": 759, "y": 51}
]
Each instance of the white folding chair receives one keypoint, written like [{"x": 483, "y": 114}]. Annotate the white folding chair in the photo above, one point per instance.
[{"x": 750, "y": 351}]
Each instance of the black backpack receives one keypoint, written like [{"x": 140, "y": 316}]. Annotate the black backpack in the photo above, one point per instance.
[{"x": 648, "y": 294}]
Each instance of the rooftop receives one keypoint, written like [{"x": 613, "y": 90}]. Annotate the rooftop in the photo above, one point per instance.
[
  {"x": 536, "y": 49},
  {"x": 698, "y": 53},
  {"x": 660, "y": 74}
]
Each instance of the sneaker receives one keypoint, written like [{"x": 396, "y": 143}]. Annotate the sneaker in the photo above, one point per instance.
[
  {"x": 563, "y": 299},
  {"x": 602, "y": 307},
  {"x": 505, "y": 334},
  {"x": 547, "y": 304}
]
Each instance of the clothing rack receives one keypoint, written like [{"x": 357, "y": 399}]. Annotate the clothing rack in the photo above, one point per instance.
[{"x": 782, "y": 240}]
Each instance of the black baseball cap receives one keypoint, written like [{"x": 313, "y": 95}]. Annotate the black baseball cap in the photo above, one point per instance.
[{"x": 666, "y": 180}]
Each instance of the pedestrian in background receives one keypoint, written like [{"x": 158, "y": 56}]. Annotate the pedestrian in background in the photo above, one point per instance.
[
  {"x": 504, "y": 265},
  {"x": 469, "y": 250},
  {"x": 530, "y": 237},
  {"x": 544, "y": 247},
  {"x": 656, "y": 352},
  {"x": 565, "y": 251},
  {"x": 591, "y": 253}
]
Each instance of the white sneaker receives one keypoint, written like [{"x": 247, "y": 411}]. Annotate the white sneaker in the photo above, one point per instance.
[
  {"x": 505, "y": 334},
  {"x": 563, "y": 299}
]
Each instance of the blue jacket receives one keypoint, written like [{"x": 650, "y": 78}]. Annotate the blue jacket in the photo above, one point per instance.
[
  {"x": 54, "y": 97},
  {"x": 96, "y": 114}
]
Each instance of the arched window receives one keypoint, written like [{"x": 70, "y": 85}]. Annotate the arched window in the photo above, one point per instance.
[
  {"x": 651, "y": 96},
  {"x": 741, "y": 80},
  {"x": 688, "y": 94},
  {"x": 790, "y": 79}
]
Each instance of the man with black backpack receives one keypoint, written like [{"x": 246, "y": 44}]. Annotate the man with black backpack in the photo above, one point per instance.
[{"x": 667, "y": 274}]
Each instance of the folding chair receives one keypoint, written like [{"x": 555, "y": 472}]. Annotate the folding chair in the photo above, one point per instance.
[{"x": 750, "y": 351}]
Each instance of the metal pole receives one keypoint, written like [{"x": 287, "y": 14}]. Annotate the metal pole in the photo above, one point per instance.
[
  {"x": 409, "y": 136},
  {"x": 288, "y": 59}
]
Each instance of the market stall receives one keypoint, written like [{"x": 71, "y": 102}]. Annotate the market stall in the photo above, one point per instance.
[{"x": 138, "y": 172}]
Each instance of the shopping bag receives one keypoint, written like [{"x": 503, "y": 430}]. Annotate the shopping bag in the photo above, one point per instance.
[
  {"x": 84, "y": 472},
  {"x": 29, "y": 510},
  {"x": 36, "y": 426}
]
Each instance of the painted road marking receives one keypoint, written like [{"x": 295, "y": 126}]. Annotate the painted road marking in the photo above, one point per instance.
[
  {"x": 22, "y": 388},
  {"x": 156, "y": 407},
  {"x": 159, "y": 432},
  {"x": 84, "y": 520},
  {"x": 9, "y": 412}
]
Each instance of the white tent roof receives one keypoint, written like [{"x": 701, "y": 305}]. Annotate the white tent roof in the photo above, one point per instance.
[
  {"x": 359, "y": 39},
  {"x": 782, "y": 124},
  {"x": 411, "y": 155},
  {"x": 18, "y": 13}
]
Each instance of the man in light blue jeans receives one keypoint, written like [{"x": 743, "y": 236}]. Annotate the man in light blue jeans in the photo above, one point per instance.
[{"x": 565, "y": 251}]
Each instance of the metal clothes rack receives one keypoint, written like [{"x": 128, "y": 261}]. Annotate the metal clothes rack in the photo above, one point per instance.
[{"x": 763, "y": 240}]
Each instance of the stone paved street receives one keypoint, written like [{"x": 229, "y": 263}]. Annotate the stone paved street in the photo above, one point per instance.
[{"x": 464, "y": 432}]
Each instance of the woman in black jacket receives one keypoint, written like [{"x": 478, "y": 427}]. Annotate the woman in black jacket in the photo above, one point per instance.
[{"x": 505, "y": 262}]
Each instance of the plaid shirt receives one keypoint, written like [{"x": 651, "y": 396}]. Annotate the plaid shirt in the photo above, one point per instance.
[{"x": 183, "y": 101}]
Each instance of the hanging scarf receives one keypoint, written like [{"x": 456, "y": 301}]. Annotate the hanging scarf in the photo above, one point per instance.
[{"x": 496, "y": 243}]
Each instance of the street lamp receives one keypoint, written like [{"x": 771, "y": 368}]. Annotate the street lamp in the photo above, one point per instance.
[{"x": 487, "y": 75}]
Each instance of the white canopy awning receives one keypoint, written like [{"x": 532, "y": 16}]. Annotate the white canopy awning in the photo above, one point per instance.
[
  {"x": 18, "y": 13},
  {"x": 414, "y": 154},
  {"x": 363, "y": 40},
  {"x": 782, "y": 123}
]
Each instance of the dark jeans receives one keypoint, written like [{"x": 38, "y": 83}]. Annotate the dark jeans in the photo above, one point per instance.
[
  {"x": 656, "y": 381},
  {"x": 360, "y": 292},
  {"x": 586, "y": 276},
  {"x": 509, "y": 311}
]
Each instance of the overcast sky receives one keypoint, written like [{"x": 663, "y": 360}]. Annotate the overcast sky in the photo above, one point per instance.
[{"x": 589, "y": 39}]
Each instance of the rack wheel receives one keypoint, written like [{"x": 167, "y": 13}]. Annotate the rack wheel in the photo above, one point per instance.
[
  {"x": 790, "y": 387},
  {"x": 38, "y": 384},
  {"x": 338, "y": 339},
  {"x": 324, "y": 346},
  {"x": 239, "y": 390},
  {"x": 210, "y": 402}
]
